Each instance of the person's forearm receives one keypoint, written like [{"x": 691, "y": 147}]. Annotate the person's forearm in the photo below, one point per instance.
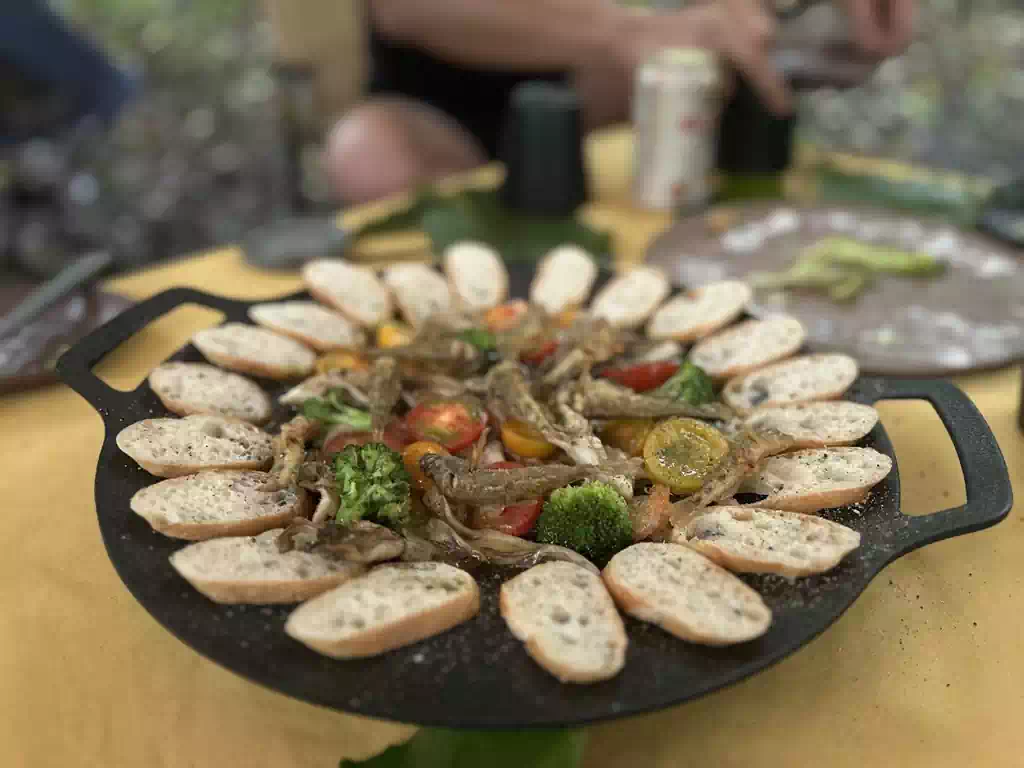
[{"x": 522, "y": 35}]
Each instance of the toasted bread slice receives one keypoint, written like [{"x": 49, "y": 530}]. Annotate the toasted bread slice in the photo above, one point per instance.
[
  {"x": 818, "y": 425},
  {"x": 790, "y": 544},
  {"x": 805, "y": 379},
  {"x": 311, "y": 323},
  {"x": 685, "y": 594},
  {"x": 700, "y": 312},
  {"x": 251, "y": 569},
  {"x": 476, "y": 274},
  {"x": 392, "y": 606},
  {"x": 197, "y": 388},
  {"x": 563, "y": 279},
  {"x": 354, "y": 291},
  {"x": 211, "y": 504},
  {"x": 629, "y": 299},
  {"x": 257, "y": 351},
  {"x": 419, "y": 291},
  {"x": 748, "y": 346},
  {"x": 818, "y": 478},
  {"x": 176, "y": 447},
  {"x": 568, "y": 621}
]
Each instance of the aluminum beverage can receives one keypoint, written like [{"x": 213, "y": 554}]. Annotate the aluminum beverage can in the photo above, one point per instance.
[{"x": 677, "y": 100}]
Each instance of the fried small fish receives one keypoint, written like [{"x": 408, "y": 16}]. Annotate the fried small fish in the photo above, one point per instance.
[
  {"x": 385, "y": 390},
  {"x": 603, "y": 399},
  {"x": 746, "y": 451},
  {"x": 454, "y": 478}
]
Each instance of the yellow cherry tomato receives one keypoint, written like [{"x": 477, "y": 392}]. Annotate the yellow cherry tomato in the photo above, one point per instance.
[
  {"x": 628, "y": 435},
  {"x": 523, "y": 440},
  {"x": 680, "y": 453},
  {"x": 566, "y": 318},
  {"x": 341, "y": 361},
  {"x": 505, "y": 317},
  {"x": 411, "y": 458},
  {"x": 391, "y": 335}
]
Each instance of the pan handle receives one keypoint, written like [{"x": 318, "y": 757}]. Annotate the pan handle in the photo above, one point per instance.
[
  {"x": 75, "y": 366},
  {"x": 989, "y": 493}
]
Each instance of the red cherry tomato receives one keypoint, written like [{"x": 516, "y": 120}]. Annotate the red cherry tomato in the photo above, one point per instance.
[
  {"x": 642, "y": 377},
  {"x": 516, "y": 519},
  {"x": 539, "y": 353},
  {"x": 455, "y": 423},
  {"x": 395, "y": 437}
]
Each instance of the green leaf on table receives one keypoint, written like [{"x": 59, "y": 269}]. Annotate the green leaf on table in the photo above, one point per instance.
[
  {"x": 443, "y": 748},
  {"x": 478, "y": 214}
]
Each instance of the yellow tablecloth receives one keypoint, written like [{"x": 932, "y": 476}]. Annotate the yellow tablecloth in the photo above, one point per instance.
[{"x": 927, "y": 669}]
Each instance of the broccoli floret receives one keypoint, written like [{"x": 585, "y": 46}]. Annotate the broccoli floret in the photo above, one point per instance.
[
  {"x": 373, "y": 485},
  {"x": 690, "y": 385},
  {"x": 591, "y": 519},
  {"x": 332, "y": 409}
]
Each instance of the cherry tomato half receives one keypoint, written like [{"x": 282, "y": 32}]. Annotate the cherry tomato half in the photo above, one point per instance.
[
  {"x": 395, "y": 437},
  {"x": 627, "y": 435},
  {"x": 411, "y": 458},
  {"x": 539, "y": 353},
  {"x": 680, "y": 453},
  {"x": 642, "y": 377},
  {"x": 507, "y": 316},
  {"x": 523, "y": 440},
  {"x": 454, "y": 423},
  {"x": 516, "y": 519}
]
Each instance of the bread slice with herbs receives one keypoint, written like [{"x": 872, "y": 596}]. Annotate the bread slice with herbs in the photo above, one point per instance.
[
  {"x": 252, "y": 570},
  {"x": 568, "y": 621},
  {"x": 747, "y": 540},
  {"x": 176, "y": 447},
  {"x": 390, "y": 607},
  {"x": 310, "y": 323},
  {"x": 818, "y": 478},
  {"x": 256, "y": 351},
  {"x": 353, "y": 290},
  {"x": 749, "y": 345},
  {"x": 198, "y": 388},
  {"x": 477, "y": 277},
  {"x": 700, "y": 312},
  {"x": 818, "y": 425},
  {"x": 805, "y": 379},
  {"x": 685, "y": 594},
  {"x": 419, "y": 290},
  {"x": 223, "y": 503},
  {"x": 563, "y": 279},
  {"x": 629, "y": 299}
]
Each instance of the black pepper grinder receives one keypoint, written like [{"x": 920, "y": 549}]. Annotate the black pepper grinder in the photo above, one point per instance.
[{"x": 542, "y": 148}]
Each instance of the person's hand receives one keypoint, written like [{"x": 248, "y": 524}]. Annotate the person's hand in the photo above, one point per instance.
[{"x": 881, "y": 28}]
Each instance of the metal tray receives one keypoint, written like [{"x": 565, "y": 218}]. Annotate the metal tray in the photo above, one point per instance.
[{"x": 477, "y": 675}]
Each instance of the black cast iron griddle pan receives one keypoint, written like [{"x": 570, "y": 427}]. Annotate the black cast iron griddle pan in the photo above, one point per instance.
[{"x": 477, "y": 675}]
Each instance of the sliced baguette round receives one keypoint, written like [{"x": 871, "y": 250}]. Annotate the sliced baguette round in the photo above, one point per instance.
[
  {"x": 311, "y": 323},
  {"x": 563, "y": 279},
  {"x": 818, "y": 425},
  {"x": 176, "y": 447},
  {"x": 250, "y": 569},
  {"x": 392, "y": 606},
  {"x": 354, "y": 291},
  {"x": 568, "y": 621},
  {"x": 818, "y": 478},
  {"x": 257, "y": 351},
  {"x": 804, "y": 379},
  {"x": 628, "y": 300},
  {"x": 476, "y": 274},
  {"x": 790, "y": 544},
  {"x": 685, "y": 594},
  {"x": 419, "y": 291},
  {"x": 197, "y": 388},
  {"x": 211, "y": 504},
  {"x": 748, "y": 346},
  {"x": 700, "y": 312}
]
